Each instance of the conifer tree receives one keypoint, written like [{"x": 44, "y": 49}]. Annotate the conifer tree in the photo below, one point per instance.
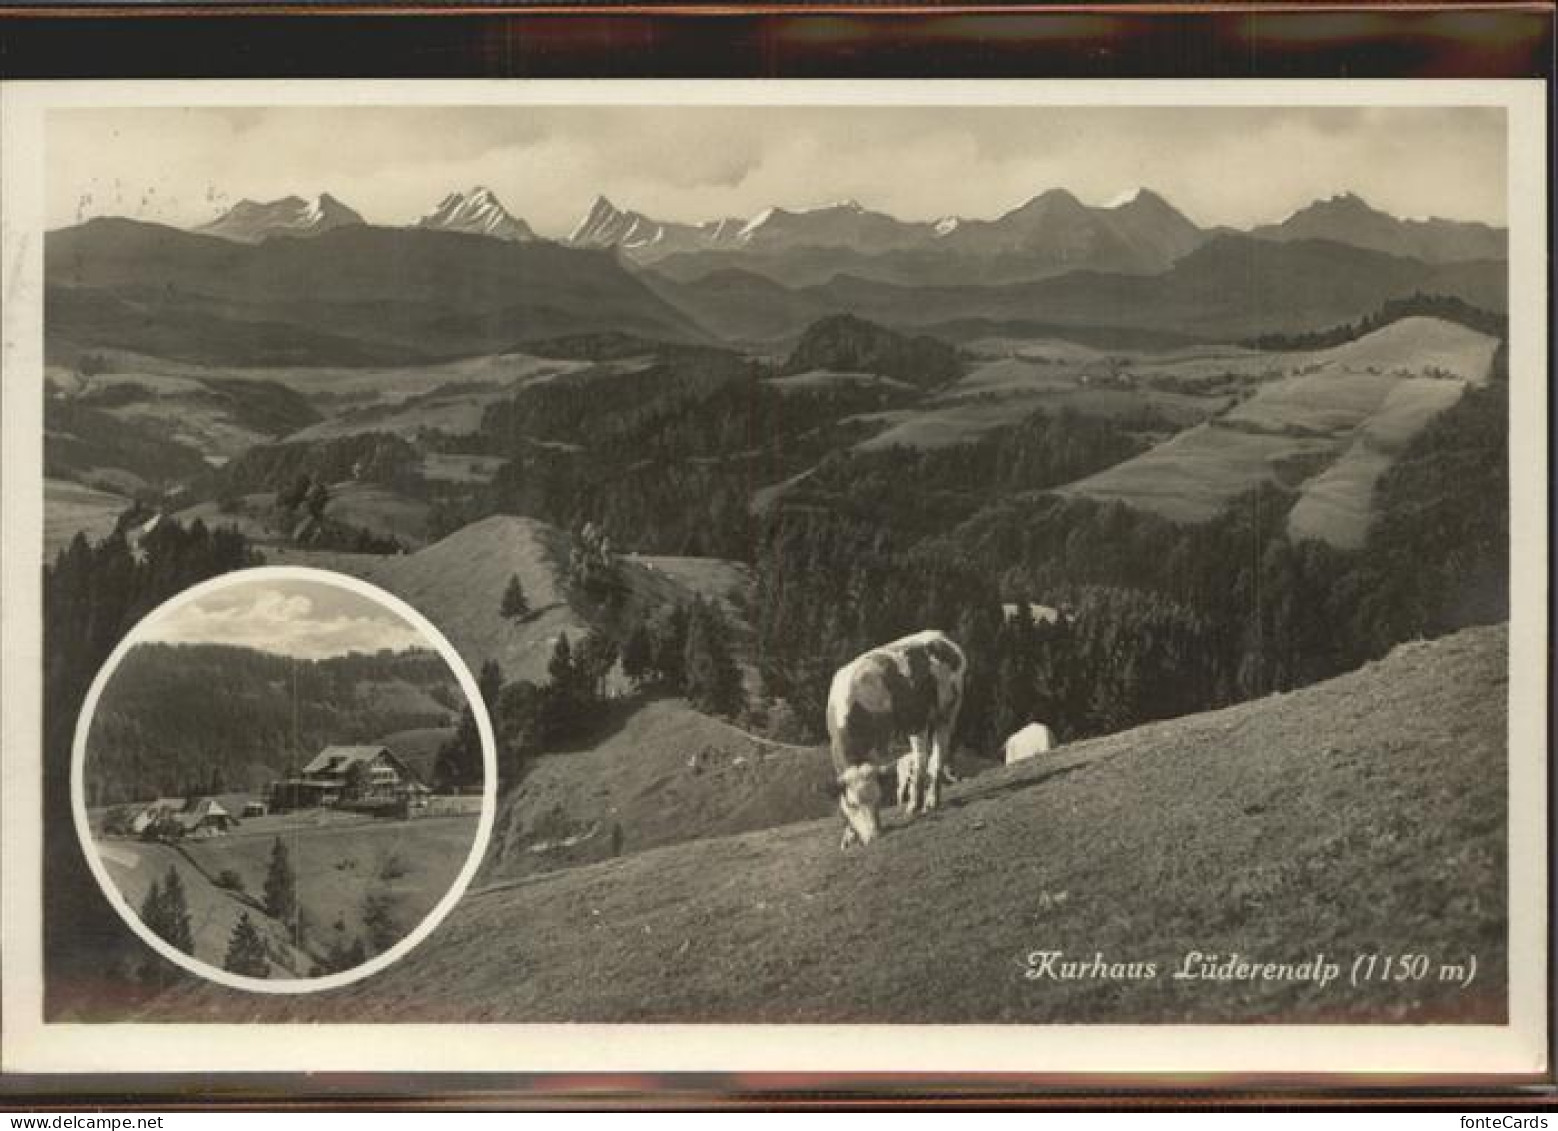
[
  {"x": 246, "y": 950},
  {"x": 281, "y": 885},
  {"x": 638, "y": 654},
  {"x": 514, "y": 604}
]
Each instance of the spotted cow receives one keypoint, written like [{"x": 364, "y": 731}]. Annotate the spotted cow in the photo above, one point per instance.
[
  {"x": 907, "y": 772},
  {"x": 910, "y": 689}
]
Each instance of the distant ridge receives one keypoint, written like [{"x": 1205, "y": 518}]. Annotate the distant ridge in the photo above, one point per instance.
[{"x": 251, "y": 221}]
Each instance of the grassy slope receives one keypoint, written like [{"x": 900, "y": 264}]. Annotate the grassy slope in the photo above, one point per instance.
[
  {"x": 69, "y": 508},
  {"x": 1363, "y": 814},
  {"x": 458, "y": 584},
  {"x": 641, "y": 776}
]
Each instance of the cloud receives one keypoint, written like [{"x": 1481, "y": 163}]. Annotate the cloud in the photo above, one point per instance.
[
  {"x": 1221, "y": 165},
  {"x": 294, "y": 619}
]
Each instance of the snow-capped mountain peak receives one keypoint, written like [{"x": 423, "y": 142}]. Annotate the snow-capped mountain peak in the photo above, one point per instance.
[
  {"x": 252, "y": 221},
  {"x": 478, "y": 212},
  {"x": 755, "y": 223}
]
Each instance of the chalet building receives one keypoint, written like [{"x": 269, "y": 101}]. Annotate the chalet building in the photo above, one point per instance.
[
  {"x": 173, "y": 818},
  {"x": 358, "y": 777}
]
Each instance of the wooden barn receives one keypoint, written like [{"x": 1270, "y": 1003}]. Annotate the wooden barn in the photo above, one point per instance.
[{"x": 172, "y": 818}]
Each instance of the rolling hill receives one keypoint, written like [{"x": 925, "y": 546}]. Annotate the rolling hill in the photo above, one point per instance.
[
  {"x": 1366, "y": 814},
  {"x": 1230, "y": 288},
  {"x": 1328, "y": 425},
  {"x": 661, "y": 773},
  {"x": 458, "y": 583},
  {"x": 353, "y": 295}
]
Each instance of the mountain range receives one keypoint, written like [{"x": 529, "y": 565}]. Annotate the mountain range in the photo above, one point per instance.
[
  {"x": 1231, "y": 287},
  {"x": 295, "y": 282},
  {"x": 1051, "y": 234}
]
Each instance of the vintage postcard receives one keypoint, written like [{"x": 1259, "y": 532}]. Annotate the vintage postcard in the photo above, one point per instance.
[{"x": 1006, "y": 577}]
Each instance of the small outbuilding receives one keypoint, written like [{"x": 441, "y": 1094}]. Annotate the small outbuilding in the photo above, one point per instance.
[{"x": 1031, "y": 741}]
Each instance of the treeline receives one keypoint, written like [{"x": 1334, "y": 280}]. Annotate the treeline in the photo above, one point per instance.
[
  {"x": 919, "y": 491},
  {"x": 667, "y": 458},
  {"x": 373, "y": 457},
  {"x": 151, "y": 737},
  {"x": 78, "y": 436},
  {"x": 1448, "y": 307},
  {"x": 684, "y": 649},
  {"x": 93, "y": 593},
  {"x": 848, "y": 344}
]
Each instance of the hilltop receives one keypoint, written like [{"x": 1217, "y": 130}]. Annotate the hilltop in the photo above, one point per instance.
[
  {"x": 458, "y": 583},
  {"x": 1364, "y": 814}
]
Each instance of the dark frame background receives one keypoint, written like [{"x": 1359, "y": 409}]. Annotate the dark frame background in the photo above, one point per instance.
[{"x": 1488, "y": 39}]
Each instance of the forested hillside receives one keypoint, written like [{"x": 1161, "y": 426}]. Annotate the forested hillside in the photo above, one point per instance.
[{"x": 258, "y": 717}]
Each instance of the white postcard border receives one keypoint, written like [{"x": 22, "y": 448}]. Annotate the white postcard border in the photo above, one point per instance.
[{"x": 29, "y": 1044}]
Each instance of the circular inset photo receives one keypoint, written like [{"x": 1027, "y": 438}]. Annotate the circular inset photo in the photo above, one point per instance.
[{"x": 283, "y": 779}]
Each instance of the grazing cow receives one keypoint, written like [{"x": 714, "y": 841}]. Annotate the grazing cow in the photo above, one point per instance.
[
  {"x": 907, "y": 770},
  {"x": 911, "y": 688},
  {"x": 1031, "y": 741}
]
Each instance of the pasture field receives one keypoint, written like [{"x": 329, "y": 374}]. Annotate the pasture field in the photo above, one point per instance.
[
  {"x": 1334, "y": 506},
  {"x": 379, "y": 510},
  {"x": 1416, "y": 346},
  {"x": 440, "y": 467},
  {"x": 1193, "y": 476},
  {"x": 458, "y": 412},
  {"x": 213, "y": 912},
  {"x": 815, "y": 379},
  {"x": 342, "y": 862},
  {"x": 253, "y": 515},
  {"x": 196, "y": 421},
  {"x": 71, "y": 508},
  {"x": 1332, "y": 427},
  {"x": 1363, "y": 814},
  {"x": 339, "y": 864}
]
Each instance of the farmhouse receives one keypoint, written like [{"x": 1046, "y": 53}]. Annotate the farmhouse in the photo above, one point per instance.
[
  {"x": 353, "y": 776},
  {"x": 175, "y": 817}
]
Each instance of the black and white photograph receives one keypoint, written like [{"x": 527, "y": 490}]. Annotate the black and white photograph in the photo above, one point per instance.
[
  {"x": 281, "y": 779},
  {"x": 943, "y": 560}
]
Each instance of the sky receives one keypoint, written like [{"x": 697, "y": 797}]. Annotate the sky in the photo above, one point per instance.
[
  {"x": 291, "y": 617},
  {"x": 1219, "y": 165}
]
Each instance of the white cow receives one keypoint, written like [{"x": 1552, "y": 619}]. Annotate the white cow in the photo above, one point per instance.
[
  {"x": 911, "y": 688},
  {"x": 1031, "y": 741}
]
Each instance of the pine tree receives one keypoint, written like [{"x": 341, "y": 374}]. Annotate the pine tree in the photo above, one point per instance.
[
  {"x": 514, "y": 603},
  {"x": 597, "y": 652},
  {"x": 460, "y": 765},
  {"x": 560, "y": 711},
  {"x": 165, "y": 910},
  {"x": 281, "y": 885},
  {"x": 713, "y": 682},
  {"x": 152, "y": 909},
  {"x": 246, "y": 952},
  {"x": 638, "y": 654},
  {"x": 669, "y": 636}
]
